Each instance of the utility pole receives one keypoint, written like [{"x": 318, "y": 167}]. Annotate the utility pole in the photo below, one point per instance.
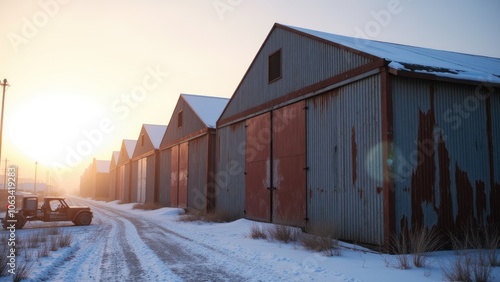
[{"x": 4, "y": 84}]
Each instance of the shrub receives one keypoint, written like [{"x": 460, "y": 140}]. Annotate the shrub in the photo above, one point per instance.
[
  {"x": 423, "y": 240},
  {"x": 65, "y": 239},
  {"x": 322, "y": 239},
  {"x": 54, "y": 243},
  {"x": 23, "y": 270},
  {"x": 468, "y": 267},
  {"x": 283, "y": 233},
  {"x": 146, "y": 206},
  {"x": 44, "y": 250},
  {"x": 400, "y": 247},
  {"x": 327, "y": 245},
  {"x": 257, "y": 232}
]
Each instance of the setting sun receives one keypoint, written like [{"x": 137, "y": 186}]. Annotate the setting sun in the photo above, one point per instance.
[{"x": 42, "y": 127}]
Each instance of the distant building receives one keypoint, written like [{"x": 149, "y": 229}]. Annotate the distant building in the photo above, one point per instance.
[
  {"x": 145, "y": 164},
  {"x": 94, "y": 183},
  {"x": 113, "y": 176},
  {"x": 124, "y": 170},
  {"x": 188, "y": 153}
]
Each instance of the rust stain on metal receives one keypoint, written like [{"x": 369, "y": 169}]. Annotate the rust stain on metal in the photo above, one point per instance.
[
  {"x": 445, "y": 211},
  {"x": 360, "y": 193},
  {"x": 480, "y": 200},
  {"x": 380, "y": 190},
  {"x": 424, "y": 176},
  {"x": 464, "y": 197},
  {"x": 354, "y": 155}
]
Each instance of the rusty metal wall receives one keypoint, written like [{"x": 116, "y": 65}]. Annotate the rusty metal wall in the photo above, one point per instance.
[
  {"x": 197, "y": 172},
  {"x": 257, "y": 163},
  {"x": 315, "y": 60},
  {"x": 164, "y": 177},
  {"x": 229, "y": 179},
  {"x": 344, "y": 157},
  {"x": 289, "y": 165},
  {"x": 442, "y": 153}
]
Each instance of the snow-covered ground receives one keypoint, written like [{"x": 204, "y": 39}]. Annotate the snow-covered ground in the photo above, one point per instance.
[{"x": 127, "y": 244}]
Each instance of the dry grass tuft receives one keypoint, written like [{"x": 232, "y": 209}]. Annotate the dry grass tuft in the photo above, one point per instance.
[
  {"x": 65, "y": 239},
  {"x": 423, "y": 240},
  {"x": 322, "y": 239},
  {"x": 283, "y": 233},
  {"x": 257, "y": 232},
  {"x": 147, "y": 206},
  {"x": 23, "y": 270}
]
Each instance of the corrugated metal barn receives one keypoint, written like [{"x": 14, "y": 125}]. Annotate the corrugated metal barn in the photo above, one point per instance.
[
  {"x": 113, "y": 176},
  {"x": 145, "y": 164},
  {"x": 365, "y": 137},
  {"x": 124, "y": 170},
  {"x": 188, "y": 153},
  {"x": 94, "y": 183}
]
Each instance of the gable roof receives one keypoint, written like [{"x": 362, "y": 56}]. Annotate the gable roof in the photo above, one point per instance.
[
  {"x": 114, "y": 157},
  {"x": 406, "y": 58},
  {"x": 129, "y": 147},
  {"x": 208, "y": 109},
  {"x": 155, "y": 133}
]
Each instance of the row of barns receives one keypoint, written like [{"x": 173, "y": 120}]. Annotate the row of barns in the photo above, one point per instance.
[{"x": 326, "y": 131}]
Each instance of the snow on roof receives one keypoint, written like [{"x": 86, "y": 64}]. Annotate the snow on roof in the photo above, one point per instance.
[
  {"x": 207, "y": 108},
  {"x": 421, "y": 60},
  {"x": 155, "y": 133},
  {"x": 130, "y": 147},
  {"x": 102, "y": 166}
]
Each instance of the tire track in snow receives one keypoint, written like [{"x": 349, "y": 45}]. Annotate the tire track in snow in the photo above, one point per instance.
[
  {"x": 137, "y": 255},
  {"x": 182, "y": 254}
]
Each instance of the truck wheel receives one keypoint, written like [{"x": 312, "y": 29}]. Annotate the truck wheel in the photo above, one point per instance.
[
  {"x": 21, "y": 221},
  {"x": 83, "y": 219}
]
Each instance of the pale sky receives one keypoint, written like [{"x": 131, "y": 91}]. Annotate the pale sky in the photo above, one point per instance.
[{"x": 84, "y": 75}]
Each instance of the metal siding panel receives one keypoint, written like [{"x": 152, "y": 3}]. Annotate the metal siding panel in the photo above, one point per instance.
[
  {"x": 150, "y": 179},
  {"x": 133, "y": 182},
  {"x": 174, "y": 177},
  {"x": 344, "y": 156},
  {"x": 197, "y": 171},
  {"x": 183, "y": 174},
  {"x": 164, "y": 193},
  {"x": 230, "y": 179},
  {"x": 494, "y": 116},
  {"x": 304, "y": 62},
  {"x": 289, "y": 165},
  {"x": 441, "y": 154},
  {"x": 257, "y": 164}
]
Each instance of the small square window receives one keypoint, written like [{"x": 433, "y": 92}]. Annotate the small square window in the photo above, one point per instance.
[
  {"x": 179, "y": 119},
  {"x": 274, "y": 66}
]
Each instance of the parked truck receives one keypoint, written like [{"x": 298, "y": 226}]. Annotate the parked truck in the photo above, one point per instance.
[{"x": 52, "y": 209}]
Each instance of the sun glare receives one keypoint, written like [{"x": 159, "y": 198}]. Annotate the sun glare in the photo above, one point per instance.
[{"x": 41, "y": 128}]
